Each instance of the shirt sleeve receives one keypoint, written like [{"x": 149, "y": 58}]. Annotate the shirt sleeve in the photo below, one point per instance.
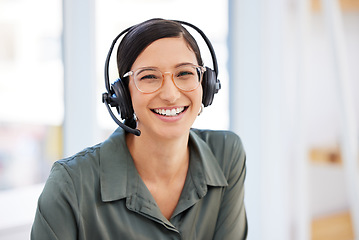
[
  {"x": 56, "y": 216},
  {"x": 232, "y": 220}
]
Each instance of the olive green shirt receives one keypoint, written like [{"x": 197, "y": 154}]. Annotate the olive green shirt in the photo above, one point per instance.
[{"x": 98, "y": 194}]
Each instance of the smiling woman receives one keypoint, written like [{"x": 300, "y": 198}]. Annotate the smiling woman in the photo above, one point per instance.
[
  {"x": 166, "y": 54},
  {"x": 164, "y": 179}
]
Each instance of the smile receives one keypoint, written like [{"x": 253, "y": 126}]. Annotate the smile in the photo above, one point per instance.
[{"x": 169, "y": 112}]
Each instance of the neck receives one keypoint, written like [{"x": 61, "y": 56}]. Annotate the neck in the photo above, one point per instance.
[{"x": 159, "y": 159}]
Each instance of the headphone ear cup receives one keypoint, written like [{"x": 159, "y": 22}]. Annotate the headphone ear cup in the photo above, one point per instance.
[
  {"x": 210, "y": 85},
  {"x": 122, "y": 98}
]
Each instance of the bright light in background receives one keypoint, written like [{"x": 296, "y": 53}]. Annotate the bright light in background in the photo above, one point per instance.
[
  {"x": 31, "y": 90},
  {"x": 31, "y": 76},
  {"x": 31, "y": 107}
]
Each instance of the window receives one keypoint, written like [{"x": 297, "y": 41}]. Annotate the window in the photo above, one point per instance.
[{"x": 31, "y": 90}]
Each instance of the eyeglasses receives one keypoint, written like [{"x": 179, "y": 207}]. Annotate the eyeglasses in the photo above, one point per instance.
[{"x": 148, "y": 80}]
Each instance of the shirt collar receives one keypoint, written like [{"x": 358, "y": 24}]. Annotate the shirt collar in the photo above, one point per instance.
[
  {"x": 206, "y": 162},
  {"x": 117, "y": 167},
  {"x": 114, "y": 156}
]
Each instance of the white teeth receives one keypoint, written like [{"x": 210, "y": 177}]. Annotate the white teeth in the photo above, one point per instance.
[{"x": 168, "y": 112}]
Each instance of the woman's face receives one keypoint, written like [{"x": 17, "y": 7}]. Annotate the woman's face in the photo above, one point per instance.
[{"x": 151, "y": 109}]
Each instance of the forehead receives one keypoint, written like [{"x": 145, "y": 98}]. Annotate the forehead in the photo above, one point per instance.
[{"x": 166, "y": 52}]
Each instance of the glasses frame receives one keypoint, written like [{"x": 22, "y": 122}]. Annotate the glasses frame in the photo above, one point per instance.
[{"x": 201, "y": 71}]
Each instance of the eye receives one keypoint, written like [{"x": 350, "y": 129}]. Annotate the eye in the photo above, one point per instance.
[
  {"x": 185, "y": 74},
  {"x": 149, "y": 76}
]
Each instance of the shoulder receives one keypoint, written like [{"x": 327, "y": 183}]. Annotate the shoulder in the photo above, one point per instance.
[
  {"x": 226, "y": 146},
  {"x": 89, "y": 159},
  {"x": 85, "y": 159},
  {"x": 73, "y": 172},
  {"x": 219, "y": 139}
]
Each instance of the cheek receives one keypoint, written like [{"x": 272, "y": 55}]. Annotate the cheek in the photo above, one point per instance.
[
  {"x": 134, "y": 95},
  {"x": 196, "y": 99},
  {"x": 199, "y": 95}
]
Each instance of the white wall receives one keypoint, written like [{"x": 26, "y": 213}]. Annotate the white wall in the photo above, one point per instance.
[{"x": 284, "y": 102}]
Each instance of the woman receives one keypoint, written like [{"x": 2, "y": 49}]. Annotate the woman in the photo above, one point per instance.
[{"x": 171, "y": 182}]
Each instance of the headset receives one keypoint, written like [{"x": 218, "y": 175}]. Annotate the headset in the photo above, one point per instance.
[{"x": 118, "y": 94}]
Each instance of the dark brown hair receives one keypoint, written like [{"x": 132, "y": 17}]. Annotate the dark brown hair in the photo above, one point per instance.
[{"x": 142, "y": 35}]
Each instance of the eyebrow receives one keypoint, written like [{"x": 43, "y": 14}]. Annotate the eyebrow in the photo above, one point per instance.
[
  {"x": 141, "y": 69},
  {"x": 184, "y": 64}
]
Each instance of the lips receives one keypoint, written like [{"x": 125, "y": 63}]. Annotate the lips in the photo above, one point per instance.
[{"x": 169, "y": 112}]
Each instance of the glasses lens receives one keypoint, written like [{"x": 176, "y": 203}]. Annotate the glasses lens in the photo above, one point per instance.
[
  {"x": 148, "y": 80},
  {"x": 187, "y": 78}
]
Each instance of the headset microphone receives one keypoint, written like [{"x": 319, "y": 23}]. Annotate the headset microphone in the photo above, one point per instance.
[
  {"x": 107, "y": 100},
  {"x": 107, "y": 97}
]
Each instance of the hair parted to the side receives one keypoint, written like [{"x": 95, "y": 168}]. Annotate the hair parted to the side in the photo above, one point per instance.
[{"x": 142, "y": 35}]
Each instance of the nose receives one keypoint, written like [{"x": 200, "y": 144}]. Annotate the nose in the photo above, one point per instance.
[{"x": 169, "y": 91}]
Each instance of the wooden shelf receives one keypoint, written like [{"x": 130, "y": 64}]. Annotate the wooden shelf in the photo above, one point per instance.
[
  {"x": 325, "y": 155},
  {"x": 346, "y": 5},
  {"x": 334, "y": 227}
]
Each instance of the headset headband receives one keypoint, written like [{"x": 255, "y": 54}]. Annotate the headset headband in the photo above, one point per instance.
[
  {"x": 205, "y": 38},
  {"x": 107, "y": 97}
]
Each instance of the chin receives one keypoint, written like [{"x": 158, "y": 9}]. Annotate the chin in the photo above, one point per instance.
[
  {"x": 168, "y": 132},
  {"x": 167, "y": 129},
  {"x": 173, "y": 133}
]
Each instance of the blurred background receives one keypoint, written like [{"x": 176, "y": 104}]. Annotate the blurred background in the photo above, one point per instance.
[{"x": 290, "y": 77}]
